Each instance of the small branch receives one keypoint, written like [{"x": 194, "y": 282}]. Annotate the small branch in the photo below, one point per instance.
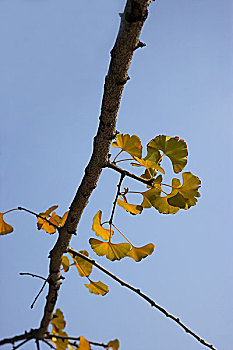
[
  {"x": 144, "y": 296},
  {"x": 40, "y": 291},
  {"x": 117, "y": 194},
  {"x": 20, "y": 344},
  {"x": 128, "y": 173},
  {"x": 32, "y": 275},
  {"x": 39, "y": 216},
  {"x": 37, "y": 344},
  {"x": 16, "y": 338},
  {"x": 139, "y": 45},
  {"x": 50, "y": 345},
  {"x": 75, "y": 339}
]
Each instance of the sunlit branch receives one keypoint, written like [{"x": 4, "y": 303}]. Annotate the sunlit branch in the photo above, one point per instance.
[
  {"x": 117, "y": 194},
  {"x": 144, "y": 296},
  {"x": 128, "y": 173},
  {"x": 39, "y": 216}
]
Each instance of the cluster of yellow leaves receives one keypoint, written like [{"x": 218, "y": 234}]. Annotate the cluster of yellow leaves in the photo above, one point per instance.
[
  {"x": 114, "y": 251},
  {"x": 85, "y": 269},
  {"x": 4, "y": 227},
  {"x": 53, "y": 218},
  {"x": 182, "y": 196}
]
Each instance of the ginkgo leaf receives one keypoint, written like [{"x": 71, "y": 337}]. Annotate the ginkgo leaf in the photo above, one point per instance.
[
  {"x": 84, "y": 344},
  {"x": 112, "y": 251},
  {"x": 98, "y": 228},
  {"x": 173, "y": 147},
  {"x": 58, "y": 320},
  {"x": 97, "y": 288},
  {"x": 129, "y": 144},
  {"x": 4, "y": 227},
  {"x": 149, "y": 174},
  {"x": 131, "y": 208},
  {"x": 84, "y": 267},
  {"x": 139, "y": 253},
  {"x": 150, "y": 195},
  {"x": 45, "y": 215},
  {"x": 65, "y": 263},
  {"x": 54, "y": 219},
  {"x": 61, "y": 344},
  {"x": 186, "y": 195},
  {"x": 114, "y": 344},
  {"x": 63, "y": 219},
  {"x": 148, "y": 164}
]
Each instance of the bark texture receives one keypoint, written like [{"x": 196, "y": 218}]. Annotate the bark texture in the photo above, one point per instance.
[{"x": 132, "y": 21}]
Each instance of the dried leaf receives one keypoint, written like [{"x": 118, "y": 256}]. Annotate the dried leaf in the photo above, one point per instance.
[{"x": 114, "y": 344}]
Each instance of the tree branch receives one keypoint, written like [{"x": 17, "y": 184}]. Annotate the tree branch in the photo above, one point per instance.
[
  {"x": 50, "y": 336},
  {"x": 144, "y": 296},
  {"x": 128, "y": 173},
  {"x": 39, "y": 216},
  {"x": 115, "y": 201},
  {"x": 132, "y": 21}
]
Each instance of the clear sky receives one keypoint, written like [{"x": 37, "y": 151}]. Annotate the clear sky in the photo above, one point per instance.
[{"x": 54, "y": 57}]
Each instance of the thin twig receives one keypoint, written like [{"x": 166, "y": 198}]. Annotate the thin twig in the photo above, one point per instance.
[
  {"x": 39, "y": 293},
  {"x": 50, "y": 336},
  {"x": 117, "y": 194},
  {"x": 32, "y": 275},
  {"x": 128, "y": 173},
  {"x": 27, "y": 335},
  {"x": 39, "y": 216},
  {"x": 50, "y": 345},
  {"x": 144, "y": 296},
  {"x": 37, "y": 344},
  {"x": 20, "y": 344}
]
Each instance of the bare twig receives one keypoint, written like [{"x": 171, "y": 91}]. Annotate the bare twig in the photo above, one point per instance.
[
  {"x": 39, "y": 216},
  {"x": 117, "y": 194},
  {"x": 47, "y": 343},
  {"x": 37, "y": 344},
  {"x": 144, "y": 296},
  {"x": 16, "y": 338},
  {"x": 32, "y": 275},
  {"x": 21, "y": 344},
  {"x": 75, "y": 339},
  {"x": 128, "y": 173},
  {"x": 39, "y": 293}
]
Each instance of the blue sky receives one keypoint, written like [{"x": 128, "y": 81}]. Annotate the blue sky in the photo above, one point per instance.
[{"x": 54, "y": 57}]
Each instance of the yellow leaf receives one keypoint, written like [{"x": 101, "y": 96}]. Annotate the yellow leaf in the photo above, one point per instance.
[
  {"x": 141, "y": 252},
  {"x": 61, "y": 344},
  {"x": 84, "y": 267},
  {"x": 58, "y": 320},
  {"x": 55, "y": 219},
  {"x": 132, "y": 208},
  {"x": 65, "y": 263},
  {"x": 84, "y": 344},
  {"x": 114, "y": 344},
  {"x": 150, "y": 195},
  {"x": 63, "y": 220},
  {"x": 98, "y": 288},
  {"x": 98, "y": 228},
  {"x": 129, "y": 144},
  {"x": 4, "y": 227},
  {"x": 112, "y": 251},
  {"x": 45, "y": 215},
  {"x": 148, "y": 164}
]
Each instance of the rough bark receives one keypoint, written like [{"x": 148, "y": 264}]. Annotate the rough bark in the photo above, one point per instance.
[{"x": 132, "y": 21}]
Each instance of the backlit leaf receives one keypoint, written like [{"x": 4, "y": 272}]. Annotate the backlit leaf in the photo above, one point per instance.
[
  {"x": 173, "y": 147},
  {"x": 58, "y": 320},
  {"x": 129, "y": 144},
  {"x": 186, "y": 195},
  {"x": 54, "y": 219},
  {"x": 61, "y": 344},
  {"x": 63, "y": 219},
  {"x": 45, "y": 215},
  {"x": 98, "y": 228},
  {"x": 150, "y": 195},
  {"x": 114, "y": 344},
  {"x": 84, "y": 267},
  {"x": 141, "y": 252},
  {"x": 112, "y": 251},
  {"x": 84, "y": 344},
  {"x": 149, "y": 164},
  {"x": 65, "y": 263},
  {"x": 4, "y": 227},
  {"x": 98, "y": 288},
  {"x": 132, "y": 208}
]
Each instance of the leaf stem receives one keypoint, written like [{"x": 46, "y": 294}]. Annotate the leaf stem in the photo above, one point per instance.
[
  {"x": 115, "y": 201},
  {"x": 8, "y": 211},
  {"x": 124, "y": 160},
  {"x": 114, "y": 160},
  {"x": 123, "y": 235}
]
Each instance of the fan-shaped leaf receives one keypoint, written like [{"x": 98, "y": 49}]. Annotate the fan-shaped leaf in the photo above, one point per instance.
[
  {"x": 54, "y": 219},
  {"x": 150, "y": 195},
  {"x": 112, "y": 251},
  {"x": 58, "y": 320},
  {"x": 186, "y": 195},
  {"x": 114, "y": 344},
  {"x": 4, "y": 227},
  {"x": 131, "y": 208},
  {"x": 129, "y": 144},
  {"x": 83, "y": 266},
  {"x": 173, "y": 147},
  {"x": 61, "y": 344},
  {"x": 98, "y": 228},
  {"x": 63, "y": 219},
  {"x": 65, "y": 263},
  {"x": 84, "y": 344},
  {"x": 148, "y": 164},
  {"x": 98, "y": 288},
  {"x": 45, "y": 215},
  {"x": 141, "y": 252}
]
